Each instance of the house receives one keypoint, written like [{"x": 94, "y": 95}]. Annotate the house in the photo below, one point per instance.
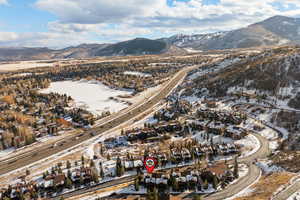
[
  {"x": 186, "y": 154},
  {"x": 216, "y": 128},
  {"x": 235, "y": 132},
  {"x": 59, "y": 180},
  {"x": 133, "y": 164}
]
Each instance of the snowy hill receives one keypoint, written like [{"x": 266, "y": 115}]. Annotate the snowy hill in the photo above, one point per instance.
[
  {"x": 277, "y": 30},
  {"x": 273, "y": 75}
]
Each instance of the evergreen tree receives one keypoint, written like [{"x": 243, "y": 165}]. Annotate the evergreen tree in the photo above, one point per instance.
[
  {"x": 68, "y": 183},
  {"x": 68, "y": 165},
  {"x": 197, "y": 197},
  {"x": 119, "y": 167},
  {"x": 136, "y": 185},
  {"x": 92, "y": 164},
  {"x": 212, "y": 143},
  {"x": 69, "y": 174},
  {"x": 205, "y": 185},
  {"x": 175, "y": 185},
  {"x": 81, "y": 180},
  {"x": 82, "y": 160},
  {"x": 95, "y": 177},
  {"x": 215, "y": 182},
  {"x": 101, "y": 171},
  {"x": 236, "y": 168}
]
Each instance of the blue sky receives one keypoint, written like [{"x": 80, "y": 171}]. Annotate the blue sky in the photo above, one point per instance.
[{"x": 59, "y": 23}]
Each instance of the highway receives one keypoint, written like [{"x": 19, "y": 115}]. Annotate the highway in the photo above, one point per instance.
[{"x": 22, "y": 160}]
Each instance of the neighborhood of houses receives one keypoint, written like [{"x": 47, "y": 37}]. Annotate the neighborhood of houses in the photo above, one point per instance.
[
  {"x": 27, "y": 113},
  {"x": 189, "y": 159}
]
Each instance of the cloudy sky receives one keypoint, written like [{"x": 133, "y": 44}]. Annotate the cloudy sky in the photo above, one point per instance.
[{"x": 60, "y": 23}]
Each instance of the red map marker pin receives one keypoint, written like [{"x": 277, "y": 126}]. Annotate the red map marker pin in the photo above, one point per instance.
[{"x": 150, "y": 164}]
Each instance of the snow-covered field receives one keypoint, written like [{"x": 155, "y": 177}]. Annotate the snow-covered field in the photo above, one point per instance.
[
  {"x": 137, "y": 73},
  {"x": 24, "y": 65},
  {"x": 91, "y": 95}
]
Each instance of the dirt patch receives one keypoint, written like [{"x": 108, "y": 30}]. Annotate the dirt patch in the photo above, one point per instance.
[
  {"x": 267, "y": 185},
  {"x": 289, "y": 160}
]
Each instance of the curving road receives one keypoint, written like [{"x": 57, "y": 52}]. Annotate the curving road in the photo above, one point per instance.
[
  {"x": 233, "y": 189},
  {"x": 293, "y": 188},
  {"x": 39, "y": 154},
  {"x": 252, "y": 175},
  {"x": 244, "y": 182}
]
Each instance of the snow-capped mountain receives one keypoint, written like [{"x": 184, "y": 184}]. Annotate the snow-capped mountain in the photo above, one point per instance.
[
  {"x": 192, "y": 41},
  {"x": 277, "y": 30}
]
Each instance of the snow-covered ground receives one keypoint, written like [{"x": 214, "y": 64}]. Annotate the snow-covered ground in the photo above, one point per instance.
[
  {"x": 91, "y": 95},
  {"x": 250, "y": 144},
  {"x": 223, "y": 64},
  {"x": 295, "y": 196},
  {"x": 5, "y": 152},
  {"x": 137, "y": 73},
  {"x": 268, "y": 167}
]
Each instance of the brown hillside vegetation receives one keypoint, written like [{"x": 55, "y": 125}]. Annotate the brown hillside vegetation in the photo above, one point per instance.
[
  {"x": 267, "y": 185},
  {"x": 8, "y": 99}
]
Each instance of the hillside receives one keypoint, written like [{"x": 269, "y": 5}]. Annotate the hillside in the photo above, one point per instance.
[
  {"x": 272, "y": 75},
  {"x": 138, "y": 46},
  {"x": 23, "y": 53},
  {"x": 277, "y": 30}
]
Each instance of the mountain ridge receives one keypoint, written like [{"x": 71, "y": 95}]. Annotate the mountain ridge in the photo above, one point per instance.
[{"x": 277, "y": 30}]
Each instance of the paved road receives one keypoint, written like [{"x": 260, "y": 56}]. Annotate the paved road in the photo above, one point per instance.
[
  {"x": 244, "y": 182},
  {"x": 235, "y": 188},
  {"x": 252, "y": 175},
  {"x": 46, "y": 151},
  {"x": 285, "y": 194},
  {"x": 108, "y": 184}
]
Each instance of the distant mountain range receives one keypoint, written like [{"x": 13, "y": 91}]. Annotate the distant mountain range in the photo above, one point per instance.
[{"x": 277, "y": 30}]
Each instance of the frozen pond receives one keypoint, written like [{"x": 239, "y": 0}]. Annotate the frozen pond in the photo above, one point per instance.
[{"x": 90, "y": 95}]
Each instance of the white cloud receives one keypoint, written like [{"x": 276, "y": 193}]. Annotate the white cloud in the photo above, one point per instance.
[
  {"x": 4, "y": 2},
  {"x": 40, "y": 39},
  {"x": 84, "y": 15},
  {"x": 98, "y": 11},
  {"x": 116, "y": 20}
]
